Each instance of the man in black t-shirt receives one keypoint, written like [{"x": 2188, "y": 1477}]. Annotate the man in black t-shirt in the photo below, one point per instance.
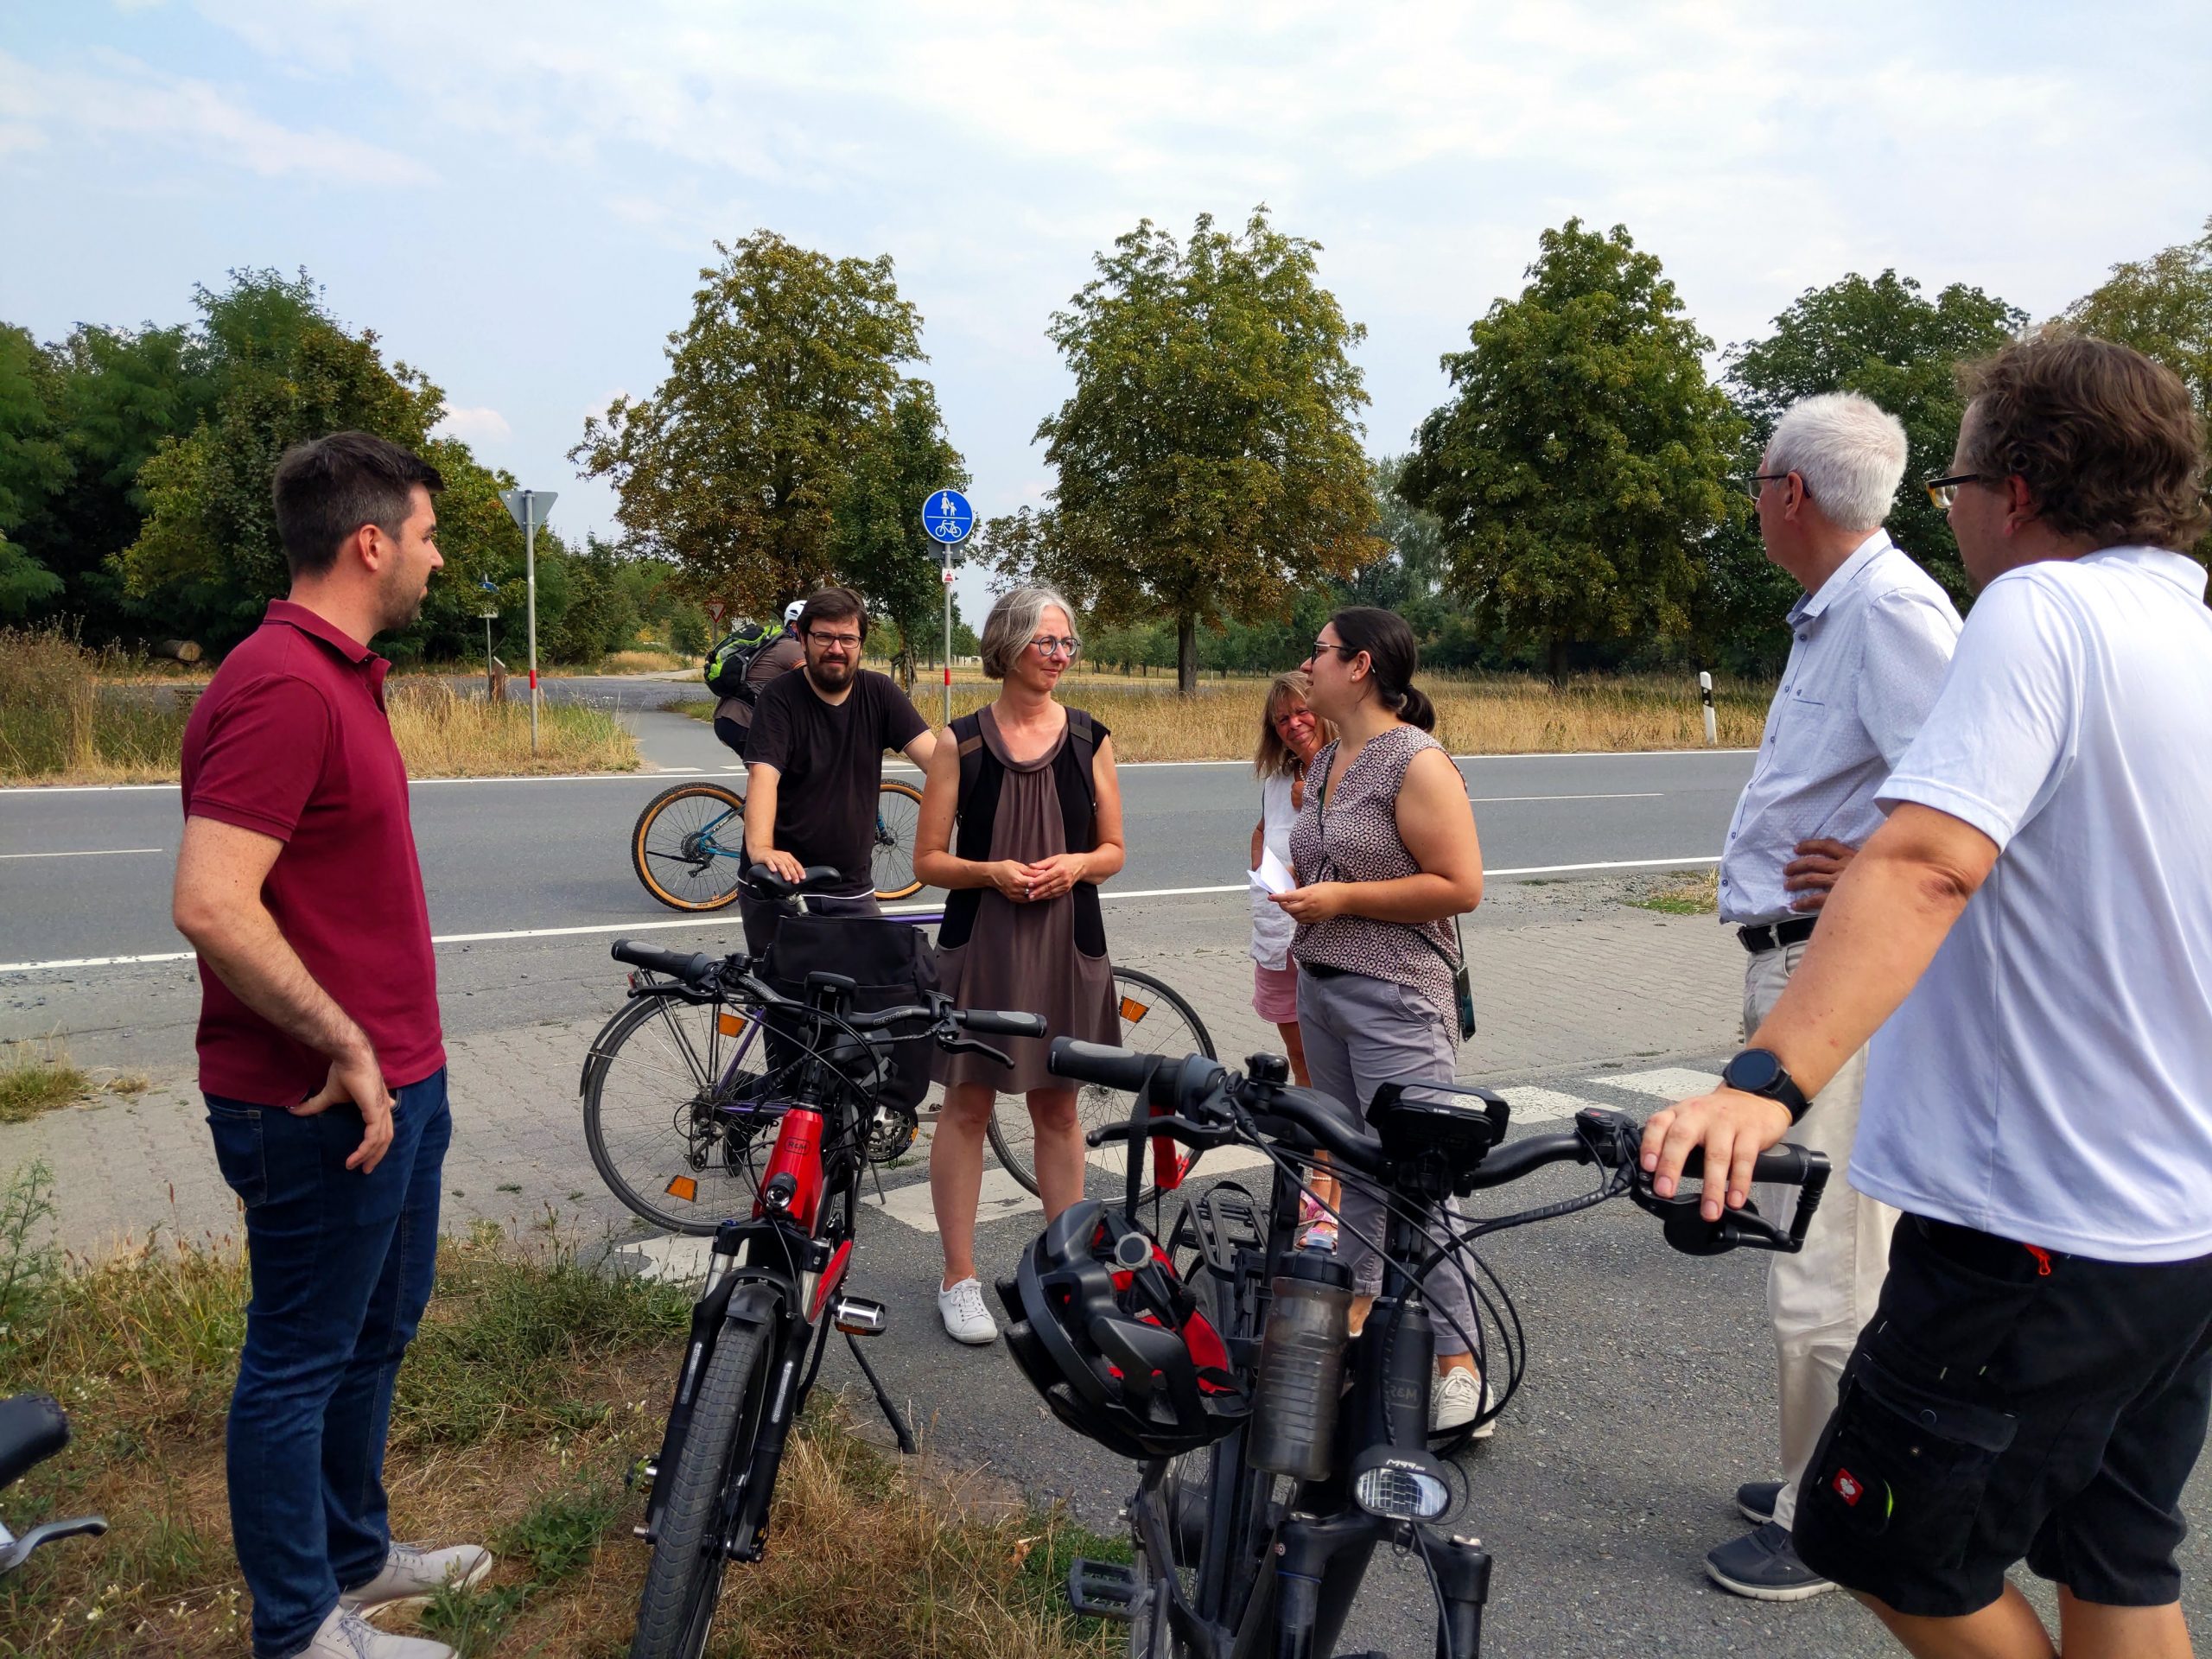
[{"x": 814, "y": 762}]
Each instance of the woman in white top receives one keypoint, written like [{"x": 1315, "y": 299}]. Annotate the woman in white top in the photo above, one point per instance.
[{"x": 1290, "y": 735}]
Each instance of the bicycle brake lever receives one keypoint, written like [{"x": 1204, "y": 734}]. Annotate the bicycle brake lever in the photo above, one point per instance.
[
  {"x": 1686, "y": 1229},
  {"x": 969, "y": 1045}
]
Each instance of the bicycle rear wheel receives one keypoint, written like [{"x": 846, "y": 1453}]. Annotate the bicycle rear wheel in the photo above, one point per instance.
[
  {"x": 1155, "y": 1020},
  {"x": 684, "y": 1582},
  {"x": 689, "y": 846},
  {"x": 898, "y": 816},
  {"x": 672, "y": 1113}
]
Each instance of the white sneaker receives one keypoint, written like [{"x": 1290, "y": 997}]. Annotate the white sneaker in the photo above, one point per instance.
[
  {"x": 412, "y": 1576},
  {"x": 346, "y": 1635},
  {"x": 966, "y": 1319},
  {"x": 1457, "y": 1397}
]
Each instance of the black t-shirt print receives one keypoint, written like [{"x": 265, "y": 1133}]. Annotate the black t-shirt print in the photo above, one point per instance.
[{"x": 830, "y": 762}]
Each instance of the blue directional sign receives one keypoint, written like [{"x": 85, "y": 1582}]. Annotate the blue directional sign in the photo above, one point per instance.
[
  {"x": 487, "y": 585},
  {"x": 947, "y": 516}
]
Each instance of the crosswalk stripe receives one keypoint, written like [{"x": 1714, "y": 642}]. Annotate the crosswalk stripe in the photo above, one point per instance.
[{"x": 1668, "y": 1082}]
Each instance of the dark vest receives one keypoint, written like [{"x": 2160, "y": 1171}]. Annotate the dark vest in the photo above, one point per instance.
[{"x": 980, "y": 778}]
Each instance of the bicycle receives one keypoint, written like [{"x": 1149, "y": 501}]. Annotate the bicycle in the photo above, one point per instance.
[
  {"x": 1227, "y": 1563},
  {"x": 32, "y": 1429},
  {"x": 774, "y": 1286},
  {"x": 688, "y": 846},
  {"x": 675, "y": 1113}
]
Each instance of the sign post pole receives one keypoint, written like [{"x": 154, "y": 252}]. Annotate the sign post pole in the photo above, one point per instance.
[
  {"x": 529, "y": 509},
  {"x": 948, "y": 517}
]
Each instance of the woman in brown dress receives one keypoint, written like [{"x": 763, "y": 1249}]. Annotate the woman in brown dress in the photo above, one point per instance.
[{"x": 1031, "y": 784}]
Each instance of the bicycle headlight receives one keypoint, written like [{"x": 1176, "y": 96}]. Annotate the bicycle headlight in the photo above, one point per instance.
[{"x": 1400, "y": 1486}]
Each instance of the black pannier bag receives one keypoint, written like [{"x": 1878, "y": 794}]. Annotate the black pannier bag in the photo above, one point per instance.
[{"x": 891, "y": 964}]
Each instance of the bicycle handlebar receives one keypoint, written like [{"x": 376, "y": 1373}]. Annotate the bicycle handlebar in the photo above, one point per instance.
[{"x": 696, "y": 968}]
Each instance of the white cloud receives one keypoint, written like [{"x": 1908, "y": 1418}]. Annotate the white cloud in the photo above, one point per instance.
[
  {"x": 474, "y": 425},
  {"x": 129, "y": 102}
]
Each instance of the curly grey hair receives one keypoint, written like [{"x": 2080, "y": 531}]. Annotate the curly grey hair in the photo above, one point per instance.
[{"x": 1013, "y": 624}]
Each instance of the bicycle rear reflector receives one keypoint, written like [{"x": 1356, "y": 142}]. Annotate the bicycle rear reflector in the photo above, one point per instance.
[
  {"x": 1133, "y": 1010},
  {"x": 1400, "y": 1486},
  {"x": 731, "y": 1025},
  {"x": 683, "y": 1187}
]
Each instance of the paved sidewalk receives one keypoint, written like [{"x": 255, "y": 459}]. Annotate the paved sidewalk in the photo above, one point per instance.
[{"x": 1567, "y": 982}]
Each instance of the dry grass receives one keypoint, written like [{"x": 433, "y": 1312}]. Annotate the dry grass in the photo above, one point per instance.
[
  {"x": 36, "y": 1077},
  {"x": 1500, "y": 715},
  {"x": 71, "y": 716},
  {"x": 643, "y": 660},
  {"x": 532, "y": 1385},
  {"x": 444, "y": 735}
]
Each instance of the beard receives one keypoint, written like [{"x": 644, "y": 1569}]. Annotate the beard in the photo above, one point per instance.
[
  {"x": 401, "y": 602},
  {"x": 830, "y": 675}
]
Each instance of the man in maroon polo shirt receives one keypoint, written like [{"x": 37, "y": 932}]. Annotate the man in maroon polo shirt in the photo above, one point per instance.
[{"x": 320, "y": 1052}]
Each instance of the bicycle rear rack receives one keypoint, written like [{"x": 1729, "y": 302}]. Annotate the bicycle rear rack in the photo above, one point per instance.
[{"x": 1217, "y": 1224}]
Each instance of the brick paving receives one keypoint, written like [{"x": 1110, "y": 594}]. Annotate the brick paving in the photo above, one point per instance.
[{"x": 1566, "y": 983}]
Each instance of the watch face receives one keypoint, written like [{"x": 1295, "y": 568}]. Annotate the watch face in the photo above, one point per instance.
[{"x": 1754, "y": 1071}]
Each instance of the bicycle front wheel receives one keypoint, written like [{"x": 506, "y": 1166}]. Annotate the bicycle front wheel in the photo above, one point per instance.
[
  {"x": 684, "y": 1582},
  {"x": 898, "y": 816},
  {"x": 689, "y": 846},
  {"x": 672, "y": 1113},
  {"x": 1155, "y": 1020}
]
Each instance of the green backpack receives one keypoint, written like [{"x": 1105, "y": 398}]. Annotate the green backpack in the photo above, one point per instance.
[{"x": 728, "y": 662}]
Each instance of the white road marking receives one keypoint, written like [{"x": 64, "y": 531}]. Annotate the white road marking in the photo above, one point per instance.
[
  {"x": 102, "y": 852},
  {"x": 1640, "y": 795},
  {"x": 1534, "y": 1105},
  {"x": 1670, "y": 1082}
]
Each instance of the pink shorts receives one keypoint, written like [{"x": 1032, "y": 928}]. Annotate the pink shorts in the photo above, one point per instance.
[{"x": 1274, "y": 992}]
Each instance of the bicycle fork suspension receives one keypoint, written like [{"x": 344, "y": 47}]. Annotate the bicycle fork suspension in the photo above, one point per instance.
[{"x": 1318, "y": 1564}]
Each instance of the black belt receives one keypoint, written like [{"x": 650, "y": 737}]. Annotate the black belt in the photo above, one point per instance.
[
  {"x": 1772, "y": 936},
  {"x": 1323, "y": 970}
]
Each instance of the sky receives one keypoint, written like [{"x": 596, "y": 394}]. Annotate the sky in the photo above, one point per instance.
[{"x": 518, "y": 199}]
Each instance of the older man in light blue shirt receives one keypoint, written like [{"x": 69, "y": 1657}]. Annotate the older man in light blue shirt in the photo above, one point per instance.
[{"x": 1872, "y": 637}]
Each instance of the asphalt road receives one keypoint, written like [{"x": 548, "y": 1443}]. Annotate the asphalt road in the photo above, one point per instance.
[{"x": 84, "y": 873}]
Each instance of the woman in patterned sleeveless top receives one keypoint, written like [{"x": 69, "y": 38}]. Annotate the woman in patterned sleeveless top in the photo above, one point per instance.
[{"x": 1385, "y": 853}]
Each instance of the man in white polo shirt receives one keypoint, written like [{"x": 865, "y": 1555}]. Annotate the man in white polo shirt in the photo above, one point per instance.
[
  {"x": 2034, "y": 922},
  {"x": 1871, "y": 635}
]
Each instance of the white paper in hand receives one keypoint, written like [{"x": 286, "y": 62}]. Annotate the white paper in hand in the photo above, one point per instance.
[{"x": 1273, "y": 875}]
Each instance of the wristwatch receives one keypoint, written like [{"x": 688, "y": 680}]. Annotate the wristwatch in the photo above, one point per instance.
[{"x": 1759, "y": 1072}]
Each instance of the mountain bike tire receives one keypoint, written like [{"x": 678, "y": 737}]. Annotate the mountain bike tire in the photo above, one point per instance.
[
  {"x": 1155, "y": 1020},
  {"x": 897, "y": 819},
  {"x": 684, "y": 1582},
  {"x": 688, "y": 847}
]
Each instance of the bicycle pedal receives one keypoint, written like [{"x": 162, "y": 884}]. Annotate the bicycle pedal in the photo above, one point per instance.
[{"x": 1104, "y": 1589}]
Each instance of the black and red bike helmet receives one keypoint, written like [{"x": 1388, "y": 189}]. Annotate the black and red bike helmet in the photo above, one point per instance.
[{"x": 1114, "y": 1342}]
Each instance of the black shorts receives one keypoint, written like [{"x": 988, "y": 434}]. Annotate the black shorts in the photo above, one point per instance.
[
  {"x": 731, "y": 734},
  {"x": 2003, "y": 1405}
]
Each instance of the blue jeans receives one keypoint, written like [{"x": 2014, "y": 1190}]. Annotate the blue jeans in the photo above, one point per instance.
[{"x": 342, "y": 1265}]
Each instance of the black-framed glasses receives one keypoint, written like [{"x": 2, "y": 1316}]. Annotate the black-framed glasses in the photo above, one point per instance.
[
  {"x": 1751, "y": 484},
  {"x": 1045, "y": 646},
  {"x": 836, "y": 641},
  {"x": 1944, "y": 491},
  {"x": 1349, "y": 651}
]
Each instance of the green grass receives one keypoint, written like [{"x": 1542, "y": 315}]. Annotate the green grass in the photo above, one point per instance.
[
  {"x": 1682, "y": 895},
  {"x": 36, "y": 1077}
]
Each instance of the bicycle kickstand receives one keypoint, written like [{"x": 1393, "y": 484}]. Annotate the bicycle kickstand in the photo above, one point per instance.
[{"x": 891, "y": 1412}]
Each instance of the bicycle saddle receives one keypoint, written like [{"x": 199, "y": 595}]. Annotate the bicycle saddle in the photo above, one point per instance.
[{"x": 32, "y": 1429}]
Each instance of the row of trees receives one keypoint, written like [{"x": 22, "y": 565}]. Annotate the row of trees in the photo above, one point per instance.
[
  {"x": 135, "y": 470},
  {"x": 1572, "y": 503}
]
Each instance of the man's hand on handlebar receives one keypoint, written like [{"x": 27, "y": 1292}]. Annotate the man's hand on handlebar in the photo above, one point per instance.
[{"x": 1732, "y": 1126}]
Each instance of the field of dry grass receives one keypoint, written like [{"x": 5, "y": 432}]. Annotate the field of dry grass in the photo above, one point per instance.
[
  {"x": 530, "y": 1389},
  {"x": 1490, "y": 715},
  {"x": 70, "y": 716}
]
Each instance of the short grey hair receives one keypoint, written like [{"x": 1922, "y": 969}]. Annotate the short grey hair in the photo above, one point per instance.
[
  {"x": 1849, "y": 450},
  {"x": 1013, "y": 624}
]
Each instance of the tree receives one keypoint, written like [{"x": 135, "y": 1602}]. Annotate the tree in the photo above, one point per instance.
[
  {"x": 770, "y": 457},
  {"x": 1881, "y": 338},
  {"x": 33, "y": 466},
  {"x": 1208, "y": 461},
  {"x": 880, "y": 546},
  {"x": 1582, "y": 462},
  {"x": 1412, "y": 543},
  {"x": 2161, "y": 306}
]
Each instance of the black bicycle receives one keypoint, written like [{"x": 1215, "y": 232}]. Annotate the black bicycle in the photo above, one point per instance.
[
  {"x": 775, "y": 1280},
  {"x": 32, "y": 1427},
  {"x": 1271, "y": 1473}
]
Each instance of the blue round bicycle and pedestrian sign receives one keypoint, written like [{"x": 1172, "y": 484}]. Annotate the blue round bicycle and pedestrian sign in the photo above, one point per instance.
[{"x": 947, "y": 516}]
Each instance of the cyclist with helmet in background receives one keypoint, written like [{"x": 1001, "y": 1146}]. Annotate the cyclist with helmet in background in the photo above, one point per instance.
[{"x": 733, "y": 713}]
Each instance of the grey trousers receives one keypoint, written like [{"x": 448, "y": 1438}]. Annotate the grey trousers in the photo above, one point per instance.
[{"x": 1360, "y": 1033}]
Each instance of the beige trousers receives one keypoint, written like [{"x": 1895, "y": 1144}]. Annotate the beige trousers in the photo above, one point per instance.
[{"x": 1818, "y": 1300}]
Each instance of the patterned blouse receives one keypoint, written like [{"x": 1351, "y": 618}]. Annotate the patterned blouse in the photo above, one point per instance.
[{"x": 1352, "y": 836}]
